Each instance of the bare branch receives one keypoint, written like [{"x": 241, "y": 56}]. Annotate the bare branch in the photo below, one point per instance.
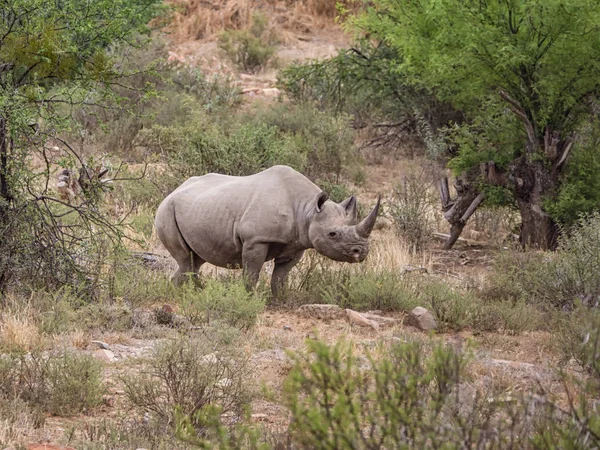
[
  {"x": 520, "y": 112},
  {"x": 565, "y": 154},
  {"x": 472, "y": 207}
]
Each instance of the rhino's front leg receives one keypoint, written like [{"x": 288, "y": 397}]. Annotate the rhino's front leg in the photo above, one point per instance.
[
  {"x": 281, "y": 272},
  {"x": 253, "y": 258}
]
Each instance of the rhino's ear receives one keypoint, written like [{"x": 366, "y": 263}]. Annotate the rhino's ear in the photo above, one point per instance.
[
  {"x": 350, "y": 206},
  {"x": 321, "y": 199}
]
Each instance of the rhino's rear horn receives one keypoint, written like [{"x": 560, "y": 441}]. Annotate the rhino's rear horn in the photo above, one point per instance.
[{"x": 365, "y": 227}]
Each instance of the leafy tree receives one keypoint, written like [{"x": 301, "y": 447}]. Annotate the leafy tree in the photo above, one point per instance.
[
  {"x": 54, "y": 56},
  {"x": 523, "y": 67}
]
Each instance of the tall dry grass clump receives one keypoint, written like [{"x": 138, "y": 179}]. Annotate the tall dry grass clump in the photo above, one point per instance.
[{"x": 197, "y": 19}]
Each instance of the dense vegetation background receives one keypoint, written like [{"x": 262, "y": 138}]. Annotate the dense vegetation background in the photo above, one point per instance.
[{"x": 99, "y": 122}]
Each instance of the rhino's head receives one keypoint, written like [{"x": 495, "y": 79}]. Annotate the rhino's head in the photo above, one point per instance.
[{"x": 335, "y": 233}]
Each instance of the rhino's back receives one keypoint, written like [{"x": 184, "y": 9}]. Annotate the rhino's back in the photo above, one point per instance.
[{"x": 217, "y": 213}]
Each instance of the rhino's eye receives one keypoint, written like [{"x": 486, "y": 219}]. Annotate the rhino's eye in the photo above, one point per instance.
[{"x": 332, "y": 234}]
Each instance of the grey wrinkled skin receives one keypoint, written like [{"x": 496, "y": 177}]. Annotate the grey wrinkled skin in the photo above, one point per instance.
[{"x": 235, "y": 222}]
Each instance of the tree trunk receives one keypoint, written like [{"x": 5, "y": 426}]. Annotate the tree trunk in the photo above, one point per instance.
[
  {"x": 537, "y": 230},
  {"x": 533, "y": 182}
]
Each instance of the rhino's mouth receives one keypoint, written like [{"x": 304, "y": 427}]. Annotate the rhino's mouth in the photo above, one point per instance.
[{"x": 356, "y": 258}]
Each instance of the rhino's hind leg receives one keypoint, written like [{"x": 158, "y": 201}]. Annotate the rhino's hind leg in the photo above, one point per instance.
[
  {"x": 188, "y": 267},
  {"x": 281, "y": 272}
]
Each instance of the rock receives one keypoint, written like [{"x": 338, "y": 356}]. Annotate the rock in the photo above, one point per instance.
[
  {"x": 170, "y": 309},
  {"x": 271, "y": 92},
  {"x": 422, "y": 319},
  {"x": 319, "y": 311},
  {"x": 380, "y": 320},
  {"x": 105, "y": 355},
  {"x": 211, "y": 358},
  {"x": 100, "y": 344},
  {"x": 359, "y": 319}
]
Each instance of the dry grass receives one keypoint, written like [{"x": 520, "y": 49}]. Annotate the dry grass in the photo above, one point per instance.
[
  {"x": 18, "y": 332},
  {"x": 199, "y": 19}
]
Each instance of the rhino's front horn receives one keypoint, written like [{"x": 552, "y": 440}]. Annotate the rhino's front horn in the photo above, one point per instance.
[{"x": 365, "y": 227}]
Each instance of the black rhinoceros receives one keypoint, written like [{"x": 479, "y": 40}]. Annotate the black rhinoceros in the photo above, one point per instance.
[{"x": 275, "y": 214}]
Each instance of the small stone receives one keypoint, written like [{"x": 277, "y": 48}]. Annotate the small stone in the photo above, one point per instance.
[
  {"x": 260, "y": 417},
  {"x": 100, "y": 344},
  {"x": 422, "y": 319},
  {"x": 168, "y": 308},
  {"x": 287, "y": 328},
  {"x": 361, "y": 320},
  {"x": 211, "y": 358},
  {"x": 108, "y": 400},
  {"x": 105, "y": 355}
]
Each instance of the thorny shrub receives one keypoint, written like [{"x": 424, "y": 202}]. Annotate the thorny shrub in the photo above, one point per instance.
[
  {"x": 190, "y": 373},
  {"x": 63, "y": 383},
  {"x": 411, "y": 210}
]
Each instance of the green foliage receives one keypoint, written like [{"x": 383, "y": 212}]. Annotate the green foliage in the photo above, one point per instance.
[
  {"x": 62, "y": 383},
  {"x": 400, "y": 401},
  {"x": 579, "y": 193},
  {"x": 186, "y": 375},
  {"x": 222, "y": 302},
  {"x": 410, "y": 396},
  {"x": 250, "y": 49},
  {"x": 56, "y": 57},
  {"x": 560, "y": 280},
  {"x": 454, "y": 309},
  {"x": 363, "y": 291},
  {"x": 465, "y": 51},
  {"x": 321, "y": 142},
  {"x": 364, "y": 83},
  {"x": 501, "y": 64},
  {"x": 578, "y": 338},
  {"x": 313, "y": 142}
]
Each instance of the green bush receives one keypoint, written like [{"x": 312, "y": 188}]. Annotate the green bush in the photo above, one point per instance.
[
  {"x": 386, "y": 291},
  {"x": 454, "y": 309},
  {"x": 62, "y": 383},
  {"x": 225, "y": 302},
  {"x": 187, "y": 374},
  {"x": 411, "y": 397},
  {"x": 251, "y": 49},
  {"x": 561, "y": 280},
  {"x": 324, "y": 139},
  {"x": 578, "y": 337},
  {"x": 312, "y": 142},
  {"x": 580, "y": 191}
]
